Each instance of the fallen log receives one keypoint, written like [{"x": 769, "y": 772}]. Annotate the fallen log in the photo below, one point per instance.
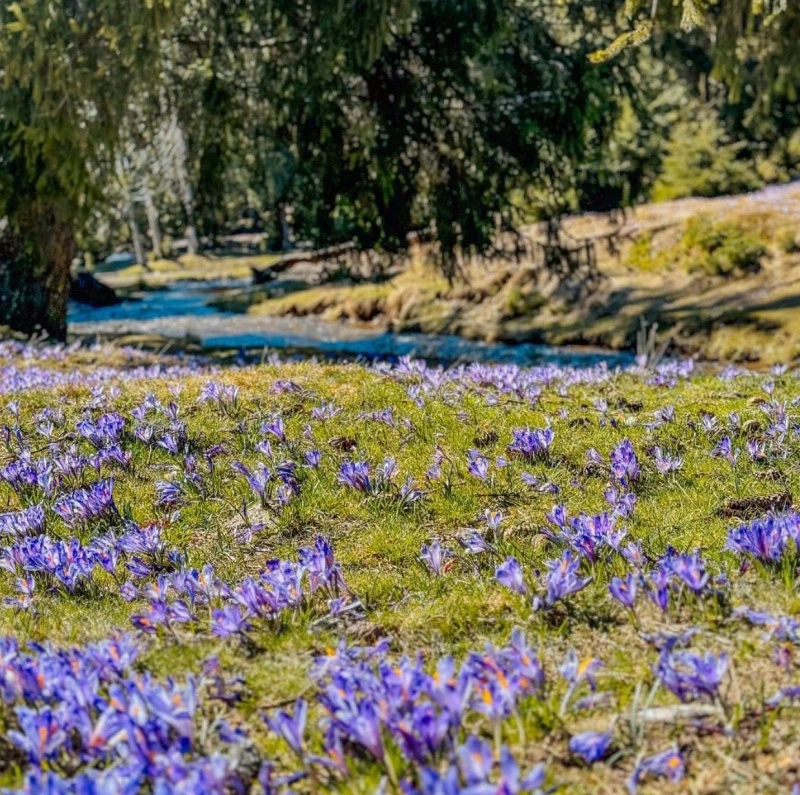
[{"x": 287, "y": 261}]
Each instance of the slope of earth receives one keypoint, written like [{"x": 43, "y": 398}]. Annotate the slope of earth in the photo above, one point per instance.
[
  {"x": 742, "y": 315},
  {"x": 349, "y": 579}
]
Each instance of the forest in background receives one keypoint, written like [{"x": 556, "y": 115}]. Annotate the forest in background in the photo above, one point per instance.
[{"x": 143, "y": 124}]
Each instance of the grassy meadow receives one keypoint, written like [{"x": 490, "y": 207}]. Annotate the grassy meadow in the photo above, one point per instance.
[{"x": 424, "y": 491}]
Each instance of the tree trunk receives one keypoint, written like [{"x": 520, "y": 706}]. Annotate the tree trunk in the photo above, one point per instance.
[
  {"x": 153, "y": 224},
  {"x": 285, "y": 227},
  {"x": 186, "y": 192},
  {"x": 136, "y": 236},
  {"x": 36, "y": 253}
]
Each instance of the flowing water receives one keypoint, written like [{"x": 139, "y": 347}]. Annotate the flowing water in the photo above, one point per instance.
[{"x": 183, "y": 311}]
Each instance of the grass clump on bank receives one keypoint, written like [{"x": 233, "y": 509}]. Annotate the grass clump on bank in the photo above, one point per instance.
[{"x": 713, "y": 248}]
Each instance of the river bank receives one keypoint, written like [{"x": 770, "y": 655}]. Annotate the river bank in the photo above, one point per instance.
[{"x": 719, "y": 277}]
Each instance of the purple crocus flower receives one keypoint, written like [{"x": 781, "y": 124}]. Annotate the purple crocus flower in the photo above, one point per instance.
[
  {"x": 509, "y": 574},
  {"x": 434, "y": 557},
  {"x": 84, "y": 505},
  {"x": 531, "y": 444},
  {"x": 562, "y": 578},
  {"x": 658, "y": 587},
  {"x": 478, "y": 465},
  {"x": 228, "y": 622},
  {"x": 169, "y": 494},
  {"x": 726, "y": 450},
  {"x": 575, "y": 670},
  {"x": 258, "y": 479},
  {"x": 291, "y": 727},
  {"x": 275, "y": 428},
  {"x": 312, "y": 458},
  {"x": 475, "y": 760},
  {"x": 668, "y": 764},
  {"x": 666, "y": 464},
  {"x": 690, "y": 676},
  {"x": 473, "y": 542},
  {"x": 591, "y": 747},
  {"x": 624, "y": 463},
  {"x": 22, "y": 523},
  {"x": 169, "y": 443},
  {"x": 42, "y": 734},
  {"x": 623, "y": 589},
  {"x": 355, "y": 475},
  {"x": 559, "y": 516},
  {"x": 765, "y": 539},
  {"x": 689, "y": 568},
  {"x": 782, "y": 628},
  {"x": 493, "y": 520},
  {"x": 511, "y": 783}
]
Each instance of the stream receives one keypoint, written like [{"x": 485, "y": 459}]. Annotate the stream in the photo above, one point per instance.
[{"x": 183, "y": 311}]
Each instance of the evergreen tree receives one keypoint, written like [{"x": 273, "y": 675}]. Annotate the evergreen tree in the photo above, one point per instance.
[{"x": 67, "y": 68}]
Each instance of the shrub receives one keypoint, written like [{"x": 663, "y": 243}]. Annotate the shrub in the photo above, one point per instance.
[
  {"x": 720, "y": 249},
  {"x": 788, "y": 240},
  {"x": 642, "y": 257},
  {"x": 519, "y": 303},
  {"x": 701, "y": 161}
]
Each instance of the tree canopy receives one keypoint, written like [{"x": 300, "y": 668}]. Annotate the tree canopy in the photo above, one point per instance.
[{"x": 353, "y": 120}]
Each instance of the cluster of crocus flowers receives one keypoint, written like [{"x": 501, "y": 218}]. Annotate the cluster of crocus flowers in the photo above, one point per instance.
[
  {"x": 30, "y": 367},
  {"x": 420, "y": 724},
  {"x": 86, "y": 721},
  {"x": 200, "y": 600},
  {"x": 531, "y": 444},
  {"x": 766, "y": 539}
]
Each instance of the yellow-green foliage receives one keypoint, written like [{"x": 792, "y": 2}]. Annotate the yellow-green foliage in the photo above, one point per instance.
[
  {"x": 720, "y": 249},
  {"x": 788, "y": 240},
  {"x": 724, "y": 248},
  {"x": 519, "y": 303},
  {"x": 642, "y": 257},
  {"x": 702, "y": 161}
]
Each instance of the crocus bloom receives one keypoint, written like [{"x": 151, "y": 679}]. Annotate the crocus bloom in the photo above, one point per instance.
[
  {"x": 478, "y": 465},
  {"x": 591, "y": 747},
  {"x": 531, "y": 443},
  {"x": 434, "y": 557},
  {"x": 624, "y": 589},
  {"x": 291, "y": 727},
  {"x": 562, "y": 578},
  {"x": 475, "y": 760},
  {"x": 509, "y": 574},
  {"x": 665, "y": 464},
  {"x": 473, "y": 542},
  {"x": 624, "y": 463},
  {"x": 726, "y": 450},
  {"x": 765, "y": 539},
  {"x": 668, "y": 764},
  {"x": 355, "y": 474},
  {"x": 229, "y": 621},
  {"x": 690, "y": 676}
]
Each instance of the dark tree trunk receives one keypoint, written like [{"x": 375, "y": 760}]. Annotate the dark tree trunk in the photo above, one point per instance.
[{"x": 35, "y": 258}]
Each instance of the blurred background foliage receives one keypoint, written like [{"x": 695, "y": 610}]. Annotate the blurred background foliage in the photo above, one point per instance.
[{"x": 170, "y": 124}]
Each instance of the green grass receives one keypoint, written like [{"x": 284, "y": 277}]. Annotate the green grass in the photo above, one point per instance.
[{"x": 378, "y": 545}]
